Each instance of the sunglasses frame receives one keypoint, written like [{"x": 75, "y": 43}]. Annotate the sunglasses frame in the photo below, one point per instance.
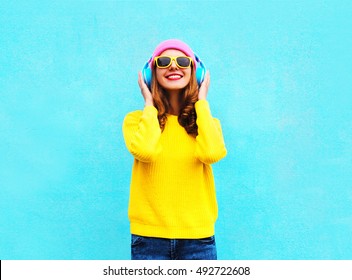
[{"x": 173, "y": 58}]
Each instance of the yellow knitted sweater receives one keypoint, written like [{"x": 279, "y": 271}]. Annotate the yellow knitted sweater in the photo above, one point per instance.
[{"x": 172, "y": 193}]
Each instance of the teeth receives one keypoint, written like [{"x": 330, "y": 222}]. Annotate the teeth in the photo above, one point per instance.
[{"x": 174, "y": 76}]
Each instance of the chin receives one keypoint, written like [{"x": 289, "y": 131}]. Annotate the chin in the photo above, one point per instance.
[
  {"x": 175, "y": 85},
  {"x": 174, "y": 88}
]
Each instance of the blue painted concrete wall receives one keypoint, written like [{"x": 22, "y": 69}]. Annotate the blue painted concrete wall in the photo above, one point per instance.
[{"x": 280, "y": 84}]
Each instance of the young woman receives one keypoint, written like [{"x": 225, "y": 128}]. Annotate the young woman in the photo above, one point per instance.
[{"x": 174, "y": 141}]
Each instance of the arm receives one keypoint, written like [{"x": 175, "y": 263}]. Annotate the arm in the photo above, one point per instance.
[
  {"x": 141, "y": 129},
  {"x": 210, "y": 142},
  {"x": 141, "y": 132}
]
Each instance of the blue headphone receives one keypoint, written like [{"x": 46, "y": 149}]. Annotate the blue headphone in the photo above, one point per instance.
[{"x": 200, "y": 72}]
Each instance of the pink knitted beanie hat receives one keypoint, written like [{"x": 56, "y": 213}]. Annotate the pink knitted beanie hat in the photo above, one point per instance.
[{"x": 176, "y": 45}]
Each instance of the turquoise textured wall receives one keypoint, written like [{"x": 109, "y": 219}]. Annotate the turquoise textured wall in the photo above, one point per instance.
[{"x": 280, "y": 84}]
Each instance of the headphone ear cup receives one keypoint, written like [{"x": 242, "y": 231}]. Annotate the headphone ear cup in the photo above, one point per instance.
[
  {"x": 147, "y": 74},
  {"x": 201, "y": 70}
]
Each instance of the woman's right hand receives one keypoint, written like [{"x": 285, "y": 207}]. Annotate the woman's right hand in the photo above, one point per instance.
[{"x": 147, "y": 95}]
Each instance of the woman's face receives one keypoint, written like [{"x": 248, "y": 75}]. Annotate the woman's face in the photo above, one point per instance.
[{"x": 173, "y": 78}]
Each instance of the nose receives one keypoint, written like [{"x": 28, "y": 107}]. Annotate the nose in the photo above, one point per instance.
[{"x": 173, "y": 64}]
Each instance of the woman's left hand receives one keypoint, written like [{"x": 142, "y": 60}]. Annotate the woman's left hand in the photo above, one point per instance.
[{"x": 203, "y": 90}]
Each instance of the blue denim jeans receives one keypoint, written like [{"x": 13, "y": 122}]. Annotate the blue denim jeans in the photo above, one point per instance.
[{"x": 151, "y": 248}]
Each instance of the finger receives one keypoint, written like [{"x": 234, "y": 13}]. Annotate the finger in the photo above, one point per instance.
[
  {"x": 207, "y": 78},
  {"x": 141, "y": 82},
  {"x": 139, "y": 79},
  {"x": 205, "y": 83}
]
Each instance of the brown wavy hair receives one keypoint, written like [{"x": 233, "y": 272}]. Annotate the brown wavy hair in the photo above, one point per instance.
[{"x": 189, "y": 96}]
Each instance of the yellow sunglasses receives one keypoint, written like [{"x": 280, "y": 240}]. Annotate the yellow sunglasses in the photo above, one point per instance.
[{"x": 165, "y": 61}]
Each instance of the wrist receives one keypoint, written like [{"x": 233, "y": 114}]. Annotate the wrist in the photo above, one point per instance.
[
  {"x": 202, "y": 97},
  {"x": 149, "y": 102}
]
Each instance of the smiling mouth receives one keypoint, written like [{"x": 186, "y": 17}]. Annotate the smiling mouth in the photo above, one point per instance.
[{"x": 174, "y": 77}]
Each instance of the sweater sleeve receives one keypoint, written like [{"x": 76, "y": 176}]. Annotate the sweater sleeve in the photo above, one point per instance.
[
  {"x": 210, "y": 142},
  {"x": 142, "y": 132}
]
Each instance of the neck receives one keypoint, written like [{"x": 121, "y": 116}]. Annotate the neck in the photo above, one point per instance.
[{"x": 174, "y": 101}]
